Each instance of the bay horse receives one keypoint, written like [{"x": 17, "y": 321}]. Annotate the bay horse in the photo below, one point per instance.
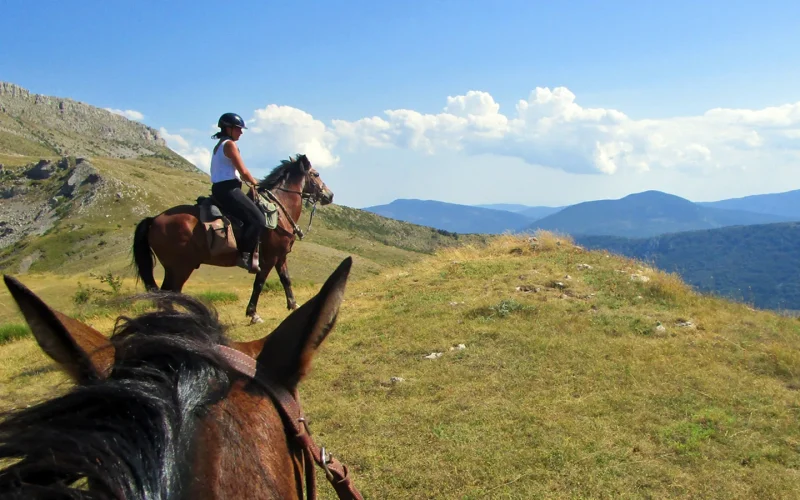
[
  {"x": 178, "y": 239},
  {"x": 169, "y": 408}
]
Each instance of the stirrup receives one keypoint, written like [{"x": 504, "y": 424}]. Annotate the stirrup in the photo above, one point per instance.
[{"x": 245, "y": 261}]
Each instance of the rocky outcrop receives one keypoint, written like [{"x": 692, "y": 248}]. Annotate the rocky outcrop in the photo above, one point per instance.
[
  {"x": 29, "y": 210},
  {"x": 42, "y": 170},
  {"x": 83, "y": 173},
  {"x": 74, "y": 128}
]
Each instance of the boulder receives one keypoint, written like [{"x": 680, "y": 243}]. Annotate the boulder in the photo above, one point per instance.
[
  {"x": 84, "y": 173},
  {"x": 40, "y": 171}
]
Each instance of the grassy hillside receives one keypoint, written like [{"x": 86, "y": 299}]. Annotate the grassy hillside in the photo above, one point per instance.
[
  {"x": 583, "y": 375},
  {"x": 94, "y": 225},
  {"x": 92, "y": 231},
  {"x": 756, "y": 264}
]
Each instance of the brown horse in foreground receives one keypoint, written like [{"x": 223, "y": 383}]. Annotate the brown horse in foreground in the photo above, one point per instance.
[
  {"x": 170, "y": 408},
  {"x": 178, "y": 239}
]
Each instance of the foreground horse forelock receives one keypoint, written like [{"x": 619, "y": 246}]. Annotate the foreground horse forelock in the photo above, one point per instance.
[
  {"x": 177, "y": 238},
  {"x": 169, "y": 407}
]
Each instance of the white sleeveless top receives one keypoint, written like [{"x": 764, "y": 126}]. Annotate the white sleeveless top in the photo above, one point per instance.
[{"x": 222, "y": 168}]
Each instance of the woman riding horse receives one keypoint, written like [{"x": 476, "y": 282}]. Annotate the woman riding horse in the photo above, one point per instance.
[{"x": 227, "y": 171}]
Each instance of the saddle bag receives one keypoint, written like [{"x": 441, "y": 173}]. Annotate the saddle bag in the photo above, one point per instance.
[
  {"x": 219, "y": 237},
  {"x": 270, "y": 212}
]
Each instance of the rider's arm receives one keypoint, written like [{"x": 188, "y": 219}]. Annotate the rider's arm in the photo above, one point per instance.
[{"x": 232, "y": 152}]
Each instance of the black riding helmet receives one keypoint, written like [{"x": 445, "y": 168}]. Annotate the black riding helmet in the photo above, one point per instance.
[{"x": 230, "y": 120}]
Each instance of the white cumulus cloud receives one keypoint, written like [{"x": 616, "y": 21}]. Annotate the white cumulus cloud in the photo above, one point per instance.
[
  {"x": 550, "y": 128},
  {"x": 130, "y": 114},
  {"x": 284, "y": 130}
]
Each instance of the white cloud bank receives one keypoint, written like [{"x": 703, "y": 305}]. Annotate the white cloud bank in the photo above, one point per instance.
[
  {"x": 549, "y": 128},
  {"x": 130, "y": 114}
]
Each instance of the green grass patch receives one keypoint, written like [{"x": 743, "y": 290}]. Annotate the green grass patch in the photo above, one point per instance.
[
  {"x": 13, "y": 331},
  {"x": 688, "y": 437},
  {"x": 217, "y": 297},
  {"x": 272, "y": 286},
  {"x": 503, "y": 309}
]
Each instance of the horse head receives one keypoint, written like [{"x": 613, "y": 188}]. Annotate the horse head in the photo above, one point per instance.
[
  {"x": 314, "y": 187},
  {"x": 169, "y": 407}
]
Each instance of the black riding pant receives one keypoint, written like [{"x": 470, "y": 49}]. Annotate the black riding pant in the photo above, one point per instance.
[{"x": 232, "y": 199}]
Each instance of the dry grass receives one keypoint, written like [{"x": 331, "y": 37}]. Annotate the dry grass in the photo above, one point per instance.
[{"x": 584, "y": 375}]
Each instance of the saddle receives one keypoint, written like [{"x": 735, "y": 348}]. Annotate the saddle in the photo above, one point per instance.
[{"x": 222, "y": 230}]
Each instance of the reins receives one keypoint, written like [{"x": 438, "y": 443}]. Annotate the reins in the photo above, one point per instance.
[
  {"x": 297, "y": 429},
  {"x": 295, "y": 228}
]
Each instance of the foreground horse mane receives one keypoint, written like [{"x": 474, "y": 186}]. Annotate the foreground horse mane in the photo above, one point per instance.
[
  {"x": 279, "y": 173},
  {"x": 166, "y": 374}
]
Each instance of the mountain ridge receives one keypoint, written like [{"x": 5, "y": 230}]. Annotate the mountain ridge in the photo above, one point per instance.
[
  {"x": 65, "y": 127},
  {"x": 786, "y": 203},
  {"x": 451, "y": 217},
  {"x": 645, "y": 214}
]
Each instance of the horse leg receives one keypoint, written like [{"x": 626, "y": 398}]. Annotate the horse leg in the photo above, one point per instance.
[
  {"x": 286, "y": 281},
  {"x": 175, "y": 278},
  {"x": 258, "y": 285}
]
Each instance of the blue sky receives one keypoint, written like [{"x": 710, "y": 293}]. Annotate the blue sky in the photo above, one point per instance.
[{"x": 624, "y": 90}]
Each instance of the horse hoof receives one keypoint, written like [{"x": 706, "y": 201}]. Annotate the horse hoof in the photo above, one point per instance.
[{"x": 256, "y": 319}]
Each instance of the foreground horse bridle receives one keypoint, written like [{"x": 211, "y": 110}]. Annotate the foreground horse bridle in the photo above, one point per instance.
[{"x": 297, "y": 429}]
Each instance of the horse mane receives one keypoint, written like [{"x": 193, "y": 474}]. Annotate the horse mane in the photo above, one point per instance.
[
  {"x": 128, "y": 436},
  {"x": 281, "y": 173}
]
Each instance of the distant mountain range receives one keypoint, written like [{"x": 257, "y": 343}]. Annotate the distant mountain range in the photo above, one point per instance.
[
  {"x": 507, "y": 207},
  {"x": 786, "y": 204},
  {"x": 646, "y": 214},
  {"x": 758, "y": 264},
  {"x": 635, "y": 216},
  {"x": 464, "y": 219},
  {"x": 745, "y": 248},
  {"x": 534, "y": 213}
]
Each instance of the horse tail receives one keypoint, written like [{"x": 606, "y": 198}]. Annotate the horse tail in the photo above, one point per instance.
[{"x": 143, "y": 256}]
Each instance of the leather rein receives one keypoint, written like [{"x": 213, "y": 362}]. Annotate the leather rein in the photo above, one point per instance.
[
  {"x": 314, "y": 198},
  {"x": 297, "y": 430}
]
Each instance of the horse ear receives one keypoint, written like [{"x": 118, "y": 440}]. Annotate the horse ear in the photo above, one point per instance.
[
  {"x": 285, "y": 354},
  {"x": 83, "y": 352}
]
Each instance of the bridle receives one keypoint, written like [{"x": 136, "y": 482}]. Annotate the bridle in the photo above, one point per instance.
[
  {"x": 297, "y": 430},
  {"x": 309, "y": 198}
]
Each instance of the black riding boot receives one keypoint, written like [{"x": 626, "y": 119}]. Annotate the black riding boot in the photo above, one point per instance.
[{"x": 255, "y": 265}]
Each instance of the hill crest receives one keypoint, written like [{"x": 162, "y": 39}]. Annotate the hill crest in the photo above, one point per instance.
[{"x": 42, "y": 124}]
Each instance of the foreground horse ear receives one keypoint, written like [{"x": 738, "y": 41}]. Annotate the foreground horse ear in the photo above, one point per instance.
[
  {"x": 287, "y": 352},
  {"x": 83, "y": 352}
]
